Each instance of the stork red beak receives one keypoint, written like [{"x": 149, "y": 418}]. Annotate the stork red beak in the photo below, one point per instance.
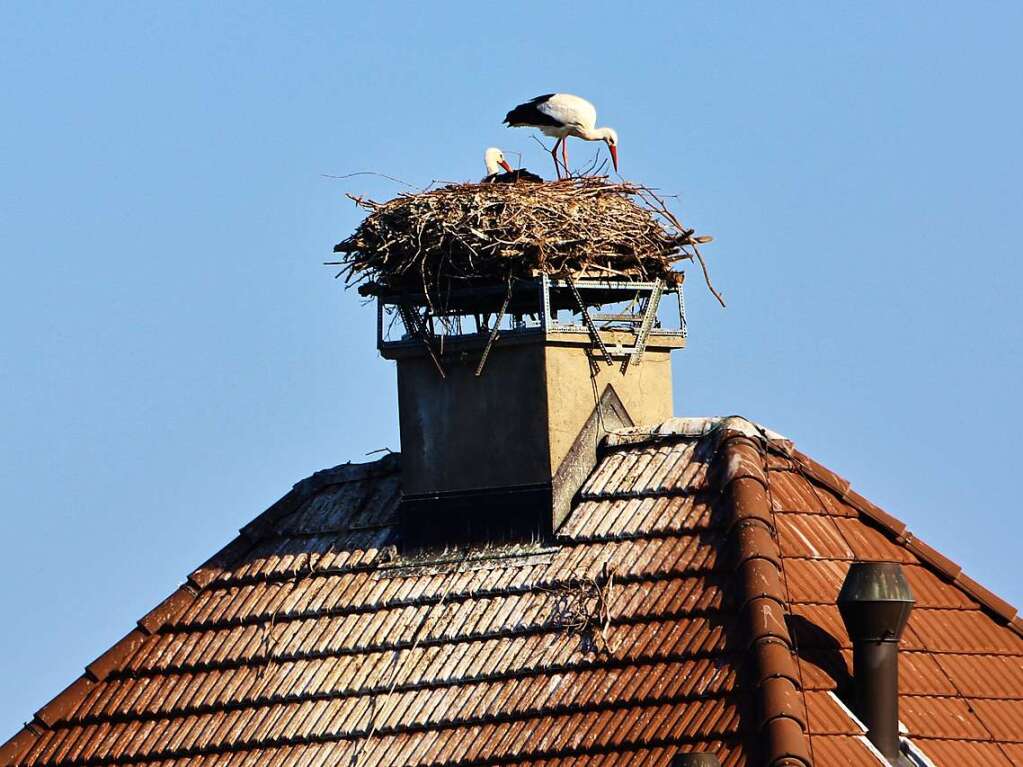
[
  {"x": 504, "y": 164},
  {"x": 614, "y": 155}
]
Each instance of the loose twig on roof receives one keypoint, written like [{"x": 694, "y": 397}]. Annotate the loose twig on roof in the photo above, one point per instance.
[{"x": 585, "y": 607}]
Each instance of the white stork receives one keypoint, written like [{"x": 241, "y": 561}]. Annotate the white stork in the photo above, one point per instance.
[
  {"x": 494, "y": 158},
  {"x": 561, "y": 115}
]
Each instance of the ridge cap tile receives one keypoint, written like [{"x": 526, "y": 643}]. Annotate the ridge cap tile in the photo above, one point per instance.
[
  {"x": 931, "y": 556},
  {"x": 695, "y": 427},
  {"x": 17, "y": 745},
  {"x": 64, "y": 702},
  {"x": 784, "y": 736},
  {"x": 307, "y": 488},
  {"x": 986, "y": 597},
  {"x": 168, "y": 610},
  {"x": 119, "y": 652}
]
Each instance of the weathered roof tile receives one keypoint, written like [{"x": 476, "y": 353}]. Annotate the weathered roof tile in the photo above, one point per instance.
[{"x": 307, "y": 641}]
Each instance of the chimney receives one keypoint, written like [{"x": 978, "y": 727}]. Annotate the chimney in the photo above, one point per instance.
[
  {"x": 695, "y": 760},
  {"x": 875, "y": 602},
  {"x": 504, "y": 398}
]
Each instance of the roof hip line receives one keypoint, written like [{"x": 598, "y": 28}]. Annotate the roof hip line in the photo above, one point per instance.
[{"x": 781, "y": 710}]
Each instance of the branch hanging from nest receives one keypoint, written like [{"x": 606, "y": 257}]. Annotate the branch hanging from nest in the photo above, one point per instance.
[{"x": 687, "y": 236}]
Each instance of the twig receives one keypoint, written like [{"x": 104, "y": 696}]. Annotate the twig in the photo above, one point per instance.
[
  {"x": 557, "y": 163},
  {"x": 663, "y": 210},
  {"x": 706, "y": 275},
  {"x": 369, "y": 173},
  {"x": 586, "y": 606}
]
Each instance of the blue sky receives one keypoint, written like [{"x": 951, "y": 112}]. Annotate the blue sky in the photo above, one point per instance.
[{"x": 175, "y": 356}]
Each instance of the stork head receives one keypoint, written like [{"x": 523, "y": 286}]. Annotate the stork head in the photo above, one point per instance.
[
  {"x": 494, "y": 158},
  {"x": 610, "y": 137}
]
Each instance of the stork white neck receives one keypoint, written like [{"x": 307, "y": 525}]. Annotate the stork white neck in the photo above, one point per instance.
[{"x": 597, "y": 134}]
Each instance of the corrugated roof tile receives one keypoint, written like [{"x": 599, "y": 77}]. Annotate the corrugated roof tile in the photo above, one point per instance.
[
  {"x": 1002, "y": 719},
  {"x": 984, "y": 676},
  {"x": 811, "y": 535},
  {"x": 844, "y": 750},
  {"x": 944, "y": 751},
  {"x": 933, "y": 716},
  {"x": 825, "y": 716},
  {"x": 791, "y": 492}
]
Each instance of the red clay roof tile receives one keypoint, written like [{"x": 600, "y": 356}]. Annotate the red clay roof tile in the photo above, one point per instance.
[
  {"x": 844, "y": 750},
  {"x": 949, "y": 751},
  {"x": 308, "y": 640}
]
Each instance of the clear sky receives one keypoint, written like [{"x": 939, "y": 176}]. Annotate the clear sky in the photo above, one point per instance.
[{"x": 175, "y": 356}]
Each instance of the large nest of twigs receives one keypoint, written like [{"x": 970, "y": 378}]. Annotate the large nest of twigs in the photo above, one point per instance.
[{"x": 465, "y": 234}]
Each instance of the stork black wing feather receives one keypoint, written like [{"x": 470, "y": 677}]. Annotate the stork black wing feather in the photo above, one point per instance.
[
  {"x": 512, "y": 177},
  {"x": 531, "y": 114}
]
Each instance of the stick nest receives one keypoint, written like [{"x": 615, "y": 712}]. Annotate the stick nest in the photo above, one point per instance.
[{"x": 465, "y": 234}]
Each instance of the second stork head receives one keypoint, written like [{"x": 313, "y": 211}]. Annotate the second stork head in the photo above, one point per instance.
[{"x": 494, "y": 158}]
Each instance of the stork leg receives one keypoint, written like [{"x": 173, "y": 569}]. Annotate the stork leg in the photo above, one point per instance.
[
  {"x": 554, "y": 155},
  {"x": 564, "y": 155}
]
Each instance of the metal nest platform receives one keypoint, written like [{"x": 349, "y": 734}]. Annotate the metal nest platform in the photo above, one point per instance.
[{"x": 481, "y": 316}]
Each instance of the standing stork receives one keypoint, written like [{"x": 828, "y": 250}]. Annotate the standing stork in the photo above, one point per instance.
[{"x": 560, "y": 115}]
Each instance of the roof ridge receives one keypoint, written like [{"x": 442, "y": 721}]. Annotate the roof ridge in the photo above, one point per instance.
[
  {"x": 782, "y": 718},
  {"x": 899, "y": 532},
  {"x": 690, "y": 427},
  {"x": 306, "y": 488}
]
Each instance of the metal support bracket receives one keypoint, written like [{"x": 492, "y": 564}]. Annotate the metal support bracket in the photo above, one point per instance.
[
  {"x": 495, "y": 331},
  {"x": 413, "y": 325},
  {"x": 594, "y": 333},
  {"x": 649, "y": 317}
]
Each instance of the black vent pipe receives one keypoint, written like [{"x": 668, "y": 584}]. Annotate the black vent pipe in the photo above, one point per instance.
[
  {"x": 695, "y": 760},
  {"x": 875, "y": 603}
]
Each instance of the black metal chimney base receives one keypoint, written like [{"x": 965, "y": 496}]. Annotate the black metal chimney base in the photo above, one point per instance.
[{"x": 495, "y": 515}]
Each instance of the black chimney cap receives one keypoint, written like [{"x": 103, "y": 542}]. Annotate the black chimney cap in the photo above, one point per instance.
[
  {"x": 875, "y": 602},
  {"x": 695, "y": 760}
]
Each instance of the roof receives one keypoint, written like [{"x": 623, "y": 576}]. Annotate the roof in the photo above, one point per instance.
[{"x": 688, "y": 603}]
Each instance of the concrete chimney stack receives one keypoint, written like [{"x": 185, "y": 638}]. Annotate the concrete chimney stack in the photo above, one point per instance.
[{"x": 500, "y": 429}]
